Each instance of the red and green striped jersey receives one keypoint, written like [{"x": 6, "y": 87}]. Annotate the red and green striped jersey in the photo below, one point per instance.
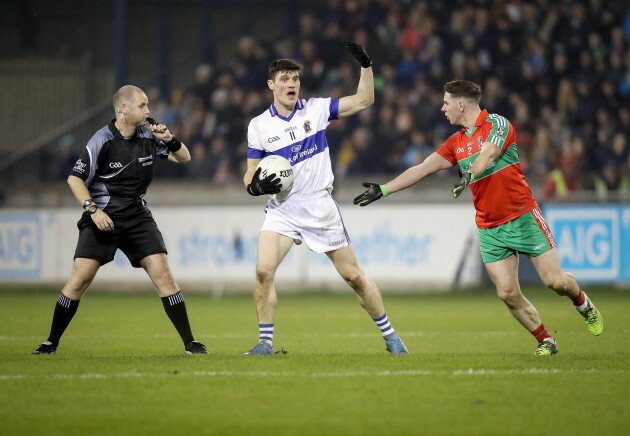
[{"x": 500, "y": 193}]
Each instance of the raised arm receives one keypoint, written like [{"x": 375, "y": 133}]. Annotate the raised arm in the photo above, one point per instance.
[{"x": 364, "y": 97}]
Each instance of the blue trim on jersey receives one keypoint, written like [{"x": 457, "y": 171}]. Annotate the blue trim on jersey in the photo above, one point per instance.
[
  {"x": 299, "y": 151},
  {"x": 334, "y": 109},
  {"x": 254, "y": 153},
  {"x": 274, "y": 112},
  {"x": 296, "y": 152}
]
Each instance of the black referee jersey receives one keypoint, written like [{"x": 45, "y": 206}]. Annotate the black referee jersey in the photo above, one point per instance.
[{"x": 118, "y": 171}]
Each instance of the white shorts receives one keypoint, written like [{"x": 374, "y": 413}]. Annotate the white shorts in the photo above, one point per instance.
[{"x": 314, "y": 219}]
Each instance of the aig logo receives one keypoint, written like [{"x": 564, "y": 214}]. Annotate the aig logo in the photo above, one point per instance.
[
  {"x": 115, "y": 165},
  {"x": 589, "y": 240},
  {"x": 273, "y": 139}
]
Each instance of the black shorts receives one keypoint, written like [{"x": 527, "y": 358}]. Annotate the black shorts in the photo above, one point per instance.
[{"x": 137, "y": 236}]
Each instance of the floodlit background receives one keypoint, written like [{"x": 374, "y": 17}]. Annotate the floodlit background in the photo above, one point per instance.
[{"x": 560, "y": 71}]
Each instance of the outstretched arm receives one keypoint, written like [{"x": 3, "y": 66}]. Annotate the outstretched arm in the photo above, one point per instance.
[
  {"x": 409, "y": 177},
  {"x": 364, "y": 97},
  {"x": 413, "y": 175}
]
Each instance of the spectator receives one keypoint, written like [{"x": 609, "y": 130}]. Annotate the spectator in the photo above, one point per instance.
[
  {"x": 203, "y": 85},
  {"x": 417, "y": 151},
  {"x": 566, "y": 180},
  {"x": 612, "y": 180},
  {"x": 568, "y": 65}
]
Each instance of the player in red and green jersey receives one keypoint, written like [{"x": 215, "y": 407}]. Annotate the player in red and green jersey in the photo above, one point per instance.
[{"x": 508, "y": 216}]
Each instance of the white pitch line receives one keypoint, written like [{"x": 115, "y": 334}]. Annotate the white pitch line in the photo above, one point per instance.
[{"x": 462, "y": 372}]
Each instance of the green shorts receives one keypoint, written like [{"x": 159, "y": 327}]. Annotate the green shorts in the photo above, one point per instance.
[{"x": 528, "y": 234}]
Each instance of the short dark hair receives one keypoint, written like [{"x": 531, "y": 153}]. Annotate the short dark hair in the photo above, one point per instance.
[
  {"x": 464, "y": 89},
  {"x": 283, "y": 65}
]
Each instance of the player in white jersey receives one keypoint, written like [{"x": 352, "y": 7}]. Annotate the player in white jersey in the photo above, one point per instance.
[{"x": 296, "y": 129}]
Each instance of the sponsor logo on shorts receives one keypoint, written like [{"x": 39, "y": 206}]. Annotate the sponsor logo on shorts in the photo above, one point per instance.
[
  {"x": 339, "y": 242},
  {"x": 115, "y": 165},
  {"x": 273, "y": 139},
  {"x": 539, "y": 246}
]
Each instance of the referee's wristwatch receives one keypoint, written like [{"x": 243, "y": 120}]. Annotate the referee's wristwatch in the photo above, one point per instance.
[{"x": 89, "y": 206}]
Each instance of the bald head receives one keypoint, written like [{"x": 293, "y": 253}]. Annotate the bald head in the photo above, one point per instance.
[{"x": 125, "y": 95}]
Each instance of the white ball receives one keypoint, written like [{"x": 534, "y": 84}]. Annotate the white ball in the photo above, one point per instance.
[{"x": 280, "y": 166}]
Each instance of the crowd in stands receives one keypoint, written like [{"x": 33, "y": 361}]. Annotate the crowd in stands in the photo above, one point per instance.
[{"x": 559, "y": 70}]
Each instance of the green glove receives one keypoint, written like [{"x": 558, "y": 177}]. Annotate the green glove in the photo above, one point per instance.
[{"x": 467, "y": 177}]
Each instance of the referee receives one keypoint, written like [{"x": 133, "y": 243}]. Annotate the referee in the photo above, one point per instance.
[{"x": 110, "y": 180}]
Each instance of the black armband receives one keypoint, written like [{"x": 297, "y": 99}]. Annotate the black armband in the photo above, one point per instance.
[{"x": 173, "y": 145}]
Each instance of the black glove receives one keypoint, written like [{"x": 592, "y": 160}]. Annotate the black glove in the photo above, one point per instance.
[
  {"x": 467, "y": 177},
  {"x": 373, "y": 193},
  {"x": 359, "y": 54},
  {"x": 268, "y": 185}
]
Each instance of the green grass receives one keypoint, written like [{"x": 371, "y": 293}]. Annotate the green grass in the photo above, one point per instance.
[{"x": 121, "y": 370}]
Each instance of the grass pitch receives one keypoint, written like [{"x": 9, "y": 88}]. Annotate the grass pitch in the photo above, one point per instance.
[{"x": 121, "y": 369}]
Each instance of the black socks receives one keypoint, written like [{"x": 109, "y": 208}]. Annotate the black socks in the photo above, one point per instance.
[
  {"x": 64, "y": 311},
  {"x": 175, "y": 308}
]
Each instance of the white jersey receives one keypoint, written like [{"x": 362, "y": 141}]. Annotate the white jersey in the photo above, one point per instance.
[{"x": 301, "y": 138}]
